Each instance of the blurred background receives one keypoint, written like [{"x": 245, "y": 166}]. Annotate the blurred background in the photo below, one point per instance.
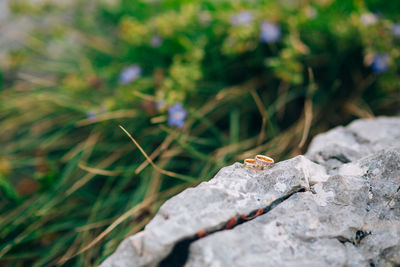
[{"x": 199, "y": 84}]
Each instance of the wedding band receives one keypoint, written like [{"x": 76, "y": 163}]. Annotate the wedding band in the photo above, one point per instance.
[
  {"x": 250, "y": 163},
  {"x": 264, "y": 161}
]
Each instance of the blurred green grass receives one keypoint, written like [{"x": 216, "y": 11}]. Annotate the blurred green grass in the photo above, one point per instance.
[{"x": 72, "y": 183}]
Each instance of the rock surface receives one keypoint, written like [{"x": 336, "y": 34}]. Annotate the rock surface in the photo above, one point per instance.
[{"x": 337, "y": 206}]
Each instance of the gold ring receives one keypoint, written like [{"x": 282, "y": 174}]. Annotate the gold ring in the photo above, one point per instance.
[
  {"x": 251, "y": 163},
  {"x": 264, "y": 161}
]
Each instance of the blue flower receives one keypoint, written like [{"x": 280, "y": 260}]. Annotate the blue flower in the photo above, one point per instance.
[
  {"x": 368, "y": 19},
  {"x": 129, "y": 74},
  {"x": 242, "y": 18},
  {"x": 176, "y": 115},
  {"x": 156, "y": 41},
  {"x": 91, "y": 115},
  {"x": 270, "y": 32},
  {"x": 380, "y": 63},
  {"x": 396, "y": 29}
]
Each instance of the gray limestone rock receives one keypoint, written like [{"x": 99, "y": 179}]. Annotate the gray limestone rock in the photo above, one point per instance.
[
  {"x": 336, "y": 223},
  {"x": 359, "y": 139},
  {"x": 342, "y": 210},
  {"x": 235, "y": 190}
]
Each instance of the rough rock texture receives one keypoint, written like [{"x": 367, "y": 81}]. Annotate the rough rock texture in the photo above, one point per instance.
[
  {"x": 357, "y": 140},
  {"x": 342, "y": 210}
]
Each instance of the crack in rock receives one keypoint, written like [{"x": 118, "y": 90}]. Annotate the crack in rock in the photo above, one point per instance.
[
  {"x": 180, "y": 252},
  {"x": 312, "y": 214}
]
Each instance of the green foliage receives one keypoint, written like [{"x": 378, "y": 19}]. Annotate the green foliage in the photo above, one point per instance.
[{"x": 67, "y": 171}]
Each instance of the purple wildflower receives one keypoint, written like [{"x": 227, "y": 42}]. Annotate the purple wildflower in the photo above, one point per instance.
[
  {"x": 270, "y": 32},
  {"x": 176, "y": 115},
  {"x": 242, "y": 18},
  {"x": 91, "y": 115},
  {"x": 380, "y": 63},
  {"x": 368, "y": 19},
  {"x": 396, "y": 30},
  {"x": 156, "y": 41},
  {"x": 129, "y": 74}
]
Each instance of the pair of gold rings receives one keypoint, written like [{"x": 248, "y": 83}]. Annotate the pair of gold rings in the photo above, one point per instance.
[{"x": 259, "y": 162}]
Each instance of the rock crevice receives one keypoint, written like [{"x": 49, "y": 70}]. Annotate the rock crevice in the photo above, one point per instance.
[{"x": 179, "y": 254}]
